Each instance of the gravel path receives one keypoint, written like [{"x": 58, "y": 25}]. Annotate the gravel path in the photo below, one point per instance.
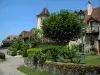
[{"x": 9, "y": 66}]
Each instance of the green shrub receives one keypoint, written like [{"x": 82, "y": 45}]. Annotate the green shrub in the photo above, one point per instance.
[
  {"x": 93, "y": 51},
  {"x": 73, "y": 69},
  {"x": 32, "y": 50},
  {"x": 2, "y": 55},
  {"x": 10, "y": 48},
  {"x": 53, "y": 52},
  {"x": 24, "y": 50},
  {"x": 13, "y": 51}
]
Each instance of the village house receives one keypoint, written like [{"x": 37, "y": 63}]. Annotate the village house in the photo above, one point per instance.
[
  {"x": 25, "y": 35},
  {"x": 7, "y": 41}
]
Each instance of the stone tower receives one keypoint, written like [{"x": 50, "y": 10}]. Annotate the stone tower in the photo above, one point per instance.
[{"x": 41, "y": 16}]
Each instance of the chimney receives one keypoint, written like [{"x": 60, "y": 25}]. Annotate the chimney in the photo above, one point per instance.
[{"x": 89, "y": 8}]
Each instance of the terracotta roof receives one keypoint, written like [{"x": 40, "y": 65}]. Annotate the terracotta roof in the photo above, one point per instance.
[
  {"x": 44, "y": 12},
  {"x": 29, "y": 33},
  {"x": 23, "y": 33},
  {"x": 95, "y": 14}
]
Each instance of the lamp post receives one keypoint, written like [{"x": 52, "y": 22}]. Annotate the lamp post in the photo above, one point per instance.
[{"x": 81, "y": 17}]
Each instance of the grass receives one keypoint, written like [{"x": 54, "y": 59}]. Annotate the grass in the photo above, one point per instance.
[
  {"x": 30, "y": 71},
  {"x": 93, "y": 59}
]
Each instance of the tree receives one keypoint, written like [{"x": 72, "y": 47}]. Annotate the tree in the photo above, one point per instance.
[
  {"x": 17, "y": 43},
  {"x": 62, "y": 26},
  {"x": 36, "y": 38}
]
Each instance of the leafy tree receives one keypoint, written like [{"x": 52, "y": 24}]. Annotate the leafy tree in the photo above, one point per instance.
[
  {"x": 17, "y": 43},
  {"x": 36, "y": 37},
  {"x": 62, "y": 26}
]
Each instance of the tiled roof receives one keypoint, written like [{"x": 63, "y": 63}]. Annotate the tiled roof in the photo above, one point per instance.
[
  {"x": 29, "y": 33},
  {"x": 95, "y": 14},
  {"x": 44, "y": 12},
  {"x": 23, "y": 33}
]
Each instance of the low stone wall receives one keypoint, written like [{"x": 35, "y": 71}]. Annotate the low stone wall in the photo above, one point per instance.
[{"x": 67, "y": 69}]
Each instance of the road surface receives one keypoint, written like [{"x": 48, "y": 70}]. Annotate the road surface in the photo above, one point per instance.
[{"x": 9, "y": 66}]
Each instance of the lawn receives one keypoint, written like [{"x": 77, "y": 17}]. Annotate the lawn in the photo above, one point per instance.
[
  {"x": 94, "y": 59},
  {"x": 30, "y": 71}
]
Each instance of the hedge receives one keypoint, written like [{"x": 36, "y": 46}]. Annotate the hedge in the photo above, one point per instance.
[
  {"x": 2, "y": 55},
  {"x": 32, "y": 50},
  {"x": 67, "y": 68}
]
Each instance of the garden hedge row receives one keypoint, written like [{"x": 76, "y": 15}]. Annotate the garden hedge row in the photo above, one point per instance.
[
  {"x": 67, "y": 68},
  {"x": 72, "y": 69}
]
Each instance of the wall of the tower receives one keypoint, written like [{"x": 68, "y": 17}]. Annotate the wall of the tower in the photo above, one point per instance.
[{"x": 39, "y": 21}]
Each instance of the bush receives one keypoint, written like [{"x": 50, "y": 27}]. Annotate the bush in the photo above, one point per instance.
[
  {"x": 53, "y": 52},
  {"x": 32, "y": 50},
  {"x": 73, "y": 69},
  {"x": 93, "y": 51},
  {"x": 13, "y": 51},
  {"x": 10, "y": 48},
  {"x": 24, "y": 50},
  {"x": 2, "y": 55}
]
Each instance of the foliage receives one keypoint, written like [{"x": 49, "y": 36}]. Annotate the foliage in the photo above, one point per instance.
[
  {"x": 31, "y": 71},
  {"x": 93, "y": 51},
  {"x": 13, "y": 51},
  {"x": 73, "y": 69},
  {"x": 62, "y": 26},
  {"x": 17, "y": 43},
  {"x": 24, "y": 50},
  {"x": 71, "y": 51},
  {"x": 52, "y": 52},
  {"x": 32, "y": 50},
  {"x": 38, "y": 58},
  {"x": 10, "y": 48},
  {"x": 2, "y": 55},
  {"x": 36, "y": 38}
]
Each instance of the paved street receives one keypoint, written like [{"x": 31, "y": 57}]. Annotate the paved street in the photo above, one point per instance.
[{"x": 9, "y": 66}]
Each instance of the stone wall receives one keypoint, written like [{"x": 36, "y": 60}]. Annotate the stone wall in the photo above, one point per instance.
[{"x": 67, "y": 69}]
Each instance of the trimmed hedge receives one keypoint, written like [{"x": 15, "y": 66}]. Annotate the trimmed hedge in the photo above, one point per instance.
[
  {"x": 73, "y": 69},
  {"x": 32, "y": 50},
  {"x": 67, "y": 68},
  {"x": 2, "y": 55}
]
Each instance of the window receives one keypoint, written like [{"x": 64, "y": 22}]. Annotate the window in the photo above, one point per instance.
[{"x": 94, "y": 27}]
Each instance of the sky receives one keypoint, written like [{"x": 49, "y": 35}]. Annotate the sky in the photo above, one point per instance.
[{"x": 19, "y": 15}]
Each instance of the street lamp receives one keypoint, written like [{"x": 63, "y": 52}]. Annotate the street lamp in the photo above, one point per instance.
[{"x": 81, "y": 17}]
